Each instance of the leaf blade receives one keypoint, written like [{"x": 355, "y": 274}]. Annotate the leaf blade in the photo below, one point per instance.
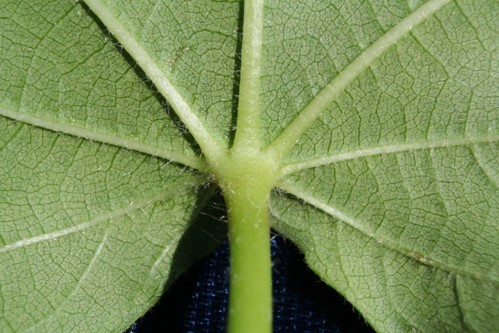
[
  {"x": 57, "y": 208},
  {"x": 394, "y": 292},
  {"x": 66, "y": 75},
  {"x": 386, "y": 202}
]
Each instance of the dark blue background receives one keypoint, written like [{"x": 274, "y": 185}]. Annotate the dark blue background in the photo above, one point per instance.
[{"x": 197, "y": 302}]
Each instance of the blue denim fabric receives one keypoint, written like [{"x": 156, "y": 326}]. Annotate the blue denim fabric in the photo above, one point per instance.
[{"x": 197, "y": 303}]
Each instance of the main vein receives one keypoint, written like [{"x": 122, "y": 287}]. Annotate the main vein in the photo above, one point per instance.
[
  {"x": 115, "y": 140},
  {"x": 116, "y": 213},
  {"x": 385, "y": 241},
  {"x": 287, "y": 139},
  {"x": 388, "y": 149},
  {"x": 249, "y": 107},
  {"x": 210, "y": 147}
]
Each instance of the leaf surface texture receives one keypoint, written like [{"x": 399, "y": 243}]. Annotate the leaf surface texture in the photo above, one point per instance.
[{"x": 391, "y": 191}]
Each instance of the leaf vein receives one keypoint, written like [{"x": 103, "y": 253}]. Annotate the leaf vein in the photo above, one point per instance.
[
  {"x": 116, "y": 213},
  {"x": 287, "y": 139},
  {"x": 485, "y": 169},
  {"x": 387, "y": 149},
  {"x": 211, "y": 147},
  {"x": 77, "y": 285},
  {"x": 119, "y": 141},
  {"x": 338, "y": 214}
]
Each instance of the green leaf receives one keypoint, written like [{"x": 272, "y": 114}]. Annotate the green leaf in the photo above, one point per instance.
[
  {"x": 92, "y": 209},
  {"x": 403, "y": 164},
  {"x": 382, "y": 115}
]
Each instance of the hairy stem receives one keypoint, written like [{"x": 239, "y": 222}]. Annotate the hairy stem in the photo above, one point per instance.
[
  {"x": 250, "y": 304},
  {"x": 246, "y": 179}
]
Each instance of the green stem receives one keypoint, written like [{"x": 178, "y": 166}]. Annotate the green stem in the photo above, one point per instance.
[
  {"x": 250, "y": 304},
  {"x": 247, "y": 178}
]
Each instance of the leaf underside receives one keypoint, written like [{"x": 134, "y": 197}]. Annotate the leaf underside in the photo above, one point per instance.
[{"x": 392, "y": 193}]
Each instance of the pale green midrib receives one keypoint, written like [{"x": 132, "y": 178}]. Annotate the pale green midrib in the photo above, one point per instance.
[
  {"x": 283, "y": 143},
  {"x": 249, "y": 105},
  {"x": 93, "y": 135},
  {"x": 211, "y": 148},
  {"x": 388, "y": 149},
  {"x": 386, "y": 242},
  {"x": 116, "y": 213}
]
